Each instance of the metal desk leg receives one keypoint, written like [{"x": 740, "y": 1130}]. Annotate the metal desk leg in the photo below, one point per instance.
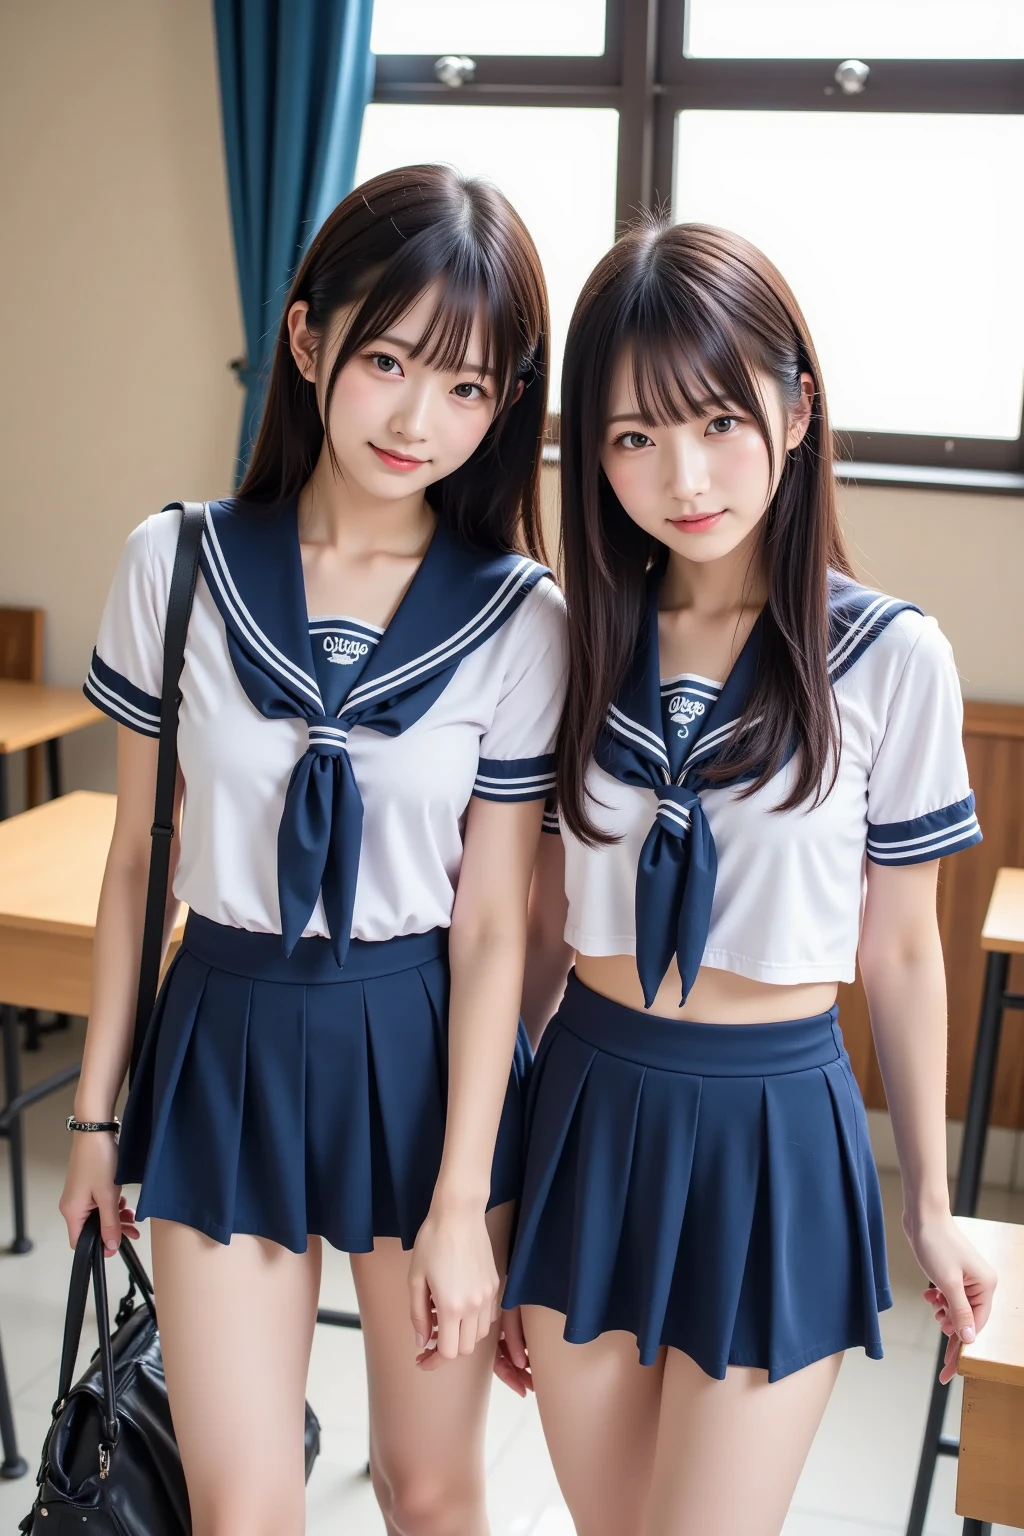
[
  {"x": 979, "y": 1104},
  {"x": 12, "y": 1465},
  {"x": 3, "y": 786},
  {"x": 53, "y": 768},
  {"x": 983, "y": 1076},
  {"x": 12, "y": 1088},
  {"x": 977, "y": 1527}
]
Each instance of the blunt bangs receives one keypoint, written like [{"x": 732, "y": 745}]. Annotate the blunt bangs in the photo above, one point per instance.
[
  {"x": 689, "y": 353},
  {"x": 479, "y": 277}
]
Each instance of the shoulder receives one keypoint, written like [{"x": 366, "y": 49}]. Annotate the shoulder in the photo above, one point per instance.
[
  {"x": 152, "y": 542},
  {"x": 539, "y": 620},
  {"x": 871, "y": 631}
]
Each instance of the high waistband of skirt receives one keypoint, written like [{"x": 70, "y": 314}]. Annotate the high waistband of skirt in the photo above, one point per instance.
[
  {"x": 260, "y": 956},
  {"x": 703, "y": 1050}
]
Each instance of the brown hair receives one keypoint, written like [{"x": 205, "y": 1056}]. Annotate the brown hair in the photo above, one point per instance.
[
  {"x": 388, "y": 241},
  {"x": 700, "y": 311}
]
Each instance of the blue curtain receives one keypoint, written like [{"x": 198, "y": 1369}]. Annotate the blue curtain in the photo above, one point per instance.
[{"x": 295, "y": 76}]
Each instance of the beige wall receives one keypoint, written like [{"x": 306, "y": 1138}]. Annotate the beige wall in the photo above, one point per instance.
[
  {"x": 959, "y": 557},
  {"x": 119, "y": 313},
  {"x": 118, "y": 306}
]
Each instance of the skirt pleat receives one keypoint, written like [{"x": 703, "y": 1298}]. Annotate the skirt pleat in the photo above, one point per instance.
[
  {"x": 708, "y": 1188},
  {"x": 284, "y": 1097}
]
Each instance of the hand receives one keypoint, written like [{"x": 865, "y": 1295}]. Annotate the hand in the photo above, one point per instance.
[
  {"x": 453, "y": 1284},
  {"x": 512, "y": 1362},
  {"x": 90, "y": 1186},
  {"x": 962, "y": 1283}
]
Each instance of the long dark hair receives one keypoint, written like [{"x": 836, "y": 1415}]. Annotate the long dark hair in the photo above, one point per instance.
[
  {"x": 699, "y": 311},
  {"x": 388, "y": 241}
]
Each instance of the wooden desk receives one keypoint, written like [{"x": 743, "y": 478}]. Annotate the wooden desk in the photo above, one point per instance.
[
  {"x": 1003, "y": 929},
  {"x": 990, "y": 1471},
  {"x": 33, "y": 713},
  {"x": 51, "y": 868}
]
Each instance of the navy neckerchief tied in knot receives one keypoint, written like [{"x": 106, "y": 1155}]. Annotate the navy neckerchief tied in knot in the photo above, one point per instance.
[
  {"x": 457, "y": 599},
  {"x": 678, "y": 865}
]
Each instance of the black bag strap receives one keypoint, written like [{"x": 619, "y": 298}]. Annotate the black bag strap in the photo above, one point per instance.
[
  {"x": 179, "y": 608},
  {"x": 88, "y": 1264}
]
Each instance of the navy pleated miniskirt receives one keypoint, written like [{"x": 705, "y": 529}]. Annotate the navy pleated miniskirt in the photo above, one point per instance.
[
  {"x": 284, "y": 1096},
  {"x": 708, "y": 1187}
]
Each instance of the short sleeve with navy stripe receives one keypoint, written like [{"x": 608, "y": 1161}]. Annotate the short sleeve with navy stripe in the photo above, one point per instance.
[
  {"x": 920, "y": 804},
  {"x": 125, "y": 675},
  {"x": 517, "y": 759}
]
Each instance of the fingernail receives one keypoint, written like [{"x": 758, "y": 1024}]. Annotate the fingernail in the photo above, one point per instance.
[
  {"x": 967, "y": 1334},
  {"x": 420, "y": 1341}
]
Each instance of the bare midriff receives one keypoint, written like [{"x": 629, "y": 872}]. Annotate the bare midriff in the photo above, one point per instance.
[{"x": 716, "y": 997}]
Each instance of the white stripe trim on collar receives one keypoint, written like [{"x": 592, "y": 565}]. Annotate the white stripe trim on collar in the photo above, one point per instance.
[
  {"x": 247, "y": 624},
  {"x": 638, "y": 732},
  {"x": 448, "y": 649},
  {"x": 841, "y": 651}
]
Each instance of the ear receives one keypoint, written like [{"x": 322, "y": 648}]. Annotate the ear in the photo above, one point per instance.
[
  {"x": 800, "y": 418},
  {"x": 517, "y": 392},
  {"x": 302, "y": 341}
]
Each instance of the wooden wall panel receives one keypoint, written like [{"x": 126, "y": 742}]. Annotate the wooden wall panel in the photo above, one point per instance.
[{"x": 994, "y": 743}]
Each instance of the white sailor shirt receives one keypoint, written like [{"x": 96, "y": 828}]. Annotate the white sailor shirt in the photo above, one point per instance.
[{"x": 384, "y": 734}]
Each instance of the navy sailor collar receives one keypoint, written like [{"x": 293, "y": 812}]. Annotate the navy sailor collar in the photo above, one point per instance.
[
  {"x": 456, "y": 600},
  {"x": 857, "y": 617},
  {"x": 678, "y": 864}
]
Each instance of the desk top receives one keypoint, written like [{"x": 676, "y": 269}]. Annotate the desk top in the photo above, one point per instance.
[
  {"x": 997, "y": 1354},
  {"x": 51, "y": 864},
  {"x": 35, "y": 712},
  {"x": 1003, "y": 928}
]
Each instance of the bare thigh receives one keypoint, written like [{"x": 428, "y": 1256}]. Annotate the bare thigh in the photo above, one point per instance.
[
  {"x": 426, "y": 1427},
  {"x": 236, "y": 1330},
  {"x": 730, "y": 1452},
  {"x": 599, "y": 1407}
]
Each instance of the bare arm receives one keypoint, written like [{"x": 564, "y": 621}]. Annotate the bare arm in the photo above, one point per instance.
[
  {"x": 902, "y": 969},
  {"x": 548, "y": 956},
  {"x": 116, "y": 951},
  {"x": 452, "y": 1262}
]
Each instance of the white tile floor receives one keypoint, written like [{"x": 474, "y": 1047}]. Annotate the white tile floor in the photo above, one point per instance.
[{"x": 857, "y": 1481}]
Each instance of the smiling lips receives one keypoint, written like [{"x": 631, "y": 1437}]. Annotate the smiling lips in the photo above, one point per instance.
[
  {"x": 696, "y": 524},
  {"x": 396, "y": 460}
]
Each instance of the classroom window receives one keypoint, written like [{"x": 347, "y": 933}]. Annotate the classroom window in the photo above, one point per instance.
[{"x": 888, "y": 200}]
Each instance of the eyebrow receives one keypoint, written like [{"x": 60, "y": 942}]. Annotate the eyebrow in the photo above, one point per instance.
[
  {"x": 408, "y": 346},
  {"x": 703, "y": 408}
]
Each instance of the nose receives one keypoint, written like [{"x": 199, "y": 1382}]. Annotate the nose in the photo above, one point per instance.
[
  {"x": 690, "y": 475},
  {"x": 410, "y": 417}
]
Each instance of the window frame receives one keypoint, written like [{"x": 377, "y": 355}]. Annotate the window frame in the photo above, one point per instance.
[{"x": 645, "y": 76}]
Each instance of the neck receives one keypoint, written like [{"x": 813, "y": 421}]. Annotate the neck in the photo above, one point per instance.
[
  {"x": 716, "y": 588},
  {"x": 333, "y": 510}
]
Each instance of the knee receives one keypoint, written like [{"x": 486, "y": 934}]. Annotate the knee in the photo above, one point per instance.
[{"x": 426, "y": 1502}]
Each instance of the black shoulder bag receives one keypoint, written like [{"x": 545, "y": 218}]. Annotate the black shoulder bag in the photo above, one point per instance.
[{"x": 110, "y": 1464}]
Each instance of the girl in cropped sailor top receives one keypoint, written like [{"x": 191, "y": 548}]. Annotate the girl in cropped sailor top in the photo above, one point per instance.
[
  {"x": 371, "y": 689},
  {"x": 759, "y": 767}
]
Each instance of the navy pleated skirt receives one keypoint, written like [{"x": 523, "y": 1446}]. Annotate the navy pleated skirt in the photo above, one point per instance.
[
  {"x": 708, "y": 1187},
  {"x": 284, "y": 1097}
]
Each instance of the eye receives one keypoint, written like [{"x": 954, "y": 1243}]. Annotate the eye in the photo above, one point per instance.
[
  {"x": 465, "y": 392},
  {"x": 722, "y": 425},
  {"x": 634, "y": 440},
  {"x": 385, "y": 363}
]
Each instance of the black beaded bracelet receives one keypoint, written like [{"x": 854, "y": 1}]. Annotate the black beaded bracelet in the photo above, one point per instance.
[{"x": 94, "y": 1125}]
